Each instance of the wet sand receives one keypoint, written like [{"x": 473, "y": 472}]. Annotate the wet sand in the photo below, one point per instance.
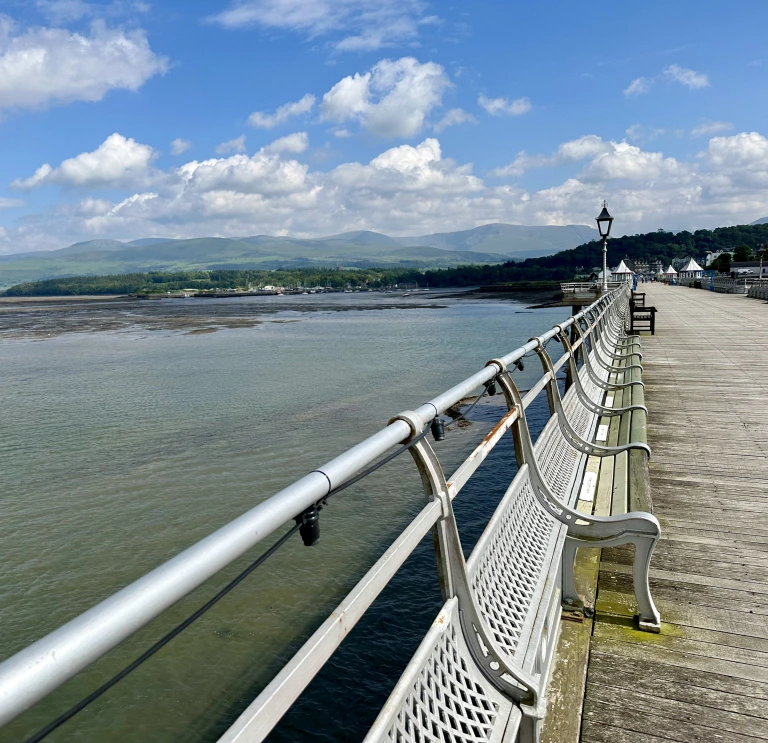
[{"x": 47, "y": 317}]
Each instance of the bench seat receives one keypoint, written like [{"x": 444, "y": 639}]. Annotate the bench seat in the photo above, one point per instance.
[{"x": 508, "y": 595}]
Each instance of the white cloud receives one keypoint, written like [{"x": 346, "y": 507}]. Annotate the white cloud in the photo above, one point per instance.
[
  {"x": 674, "y": 73},
  {"x": 498, "y": 106},
  {"x": 180, "y": 145},
  {"x": 342, "y": 133},
  {"x": 624, "y": 161},
  {"x": 393, "y": 99},
  {"x": 638, "y": 86},
  {"x": 294, "y": 143},
  {"x": 690, "y": 78},
  {"x": 42, "y": 67},
  {"x": 568, "y": 152},
  {"x": 364, "y": 25},
  {"x": 415, "y": 189},
  {"x": 711, "y": 127},
  {"x": 285, "y": 112},
  {"x": 452, "y": 118},
  {"x": 117, "y": 162},
  {"x": 6, "y": 203},
  {"x": 232, "y": 145}
]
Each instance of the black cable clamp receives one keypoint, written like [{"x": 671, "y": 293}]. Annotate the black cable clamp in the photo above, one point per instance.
[{"x": 309, "y": 524}]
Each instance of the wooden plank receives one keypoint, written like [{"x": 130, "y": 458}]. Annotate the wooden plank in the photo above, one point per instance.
[
  {"x": 705, "y": 676},
  {"x": 691, "y": 640},
  {"x": 683, "y": 684},
  {"x": 637, "y": 723},
  {"x": 717, "y": 722}
]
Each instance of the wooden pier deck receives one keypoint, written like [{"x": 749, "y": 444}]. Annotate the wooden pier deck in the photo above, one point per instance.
[{"x": 705, "y": 677}]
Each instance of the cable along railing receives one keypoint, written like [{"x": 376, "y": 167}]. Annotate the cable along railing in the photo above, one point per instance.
[{"x": 504, "y": 643}]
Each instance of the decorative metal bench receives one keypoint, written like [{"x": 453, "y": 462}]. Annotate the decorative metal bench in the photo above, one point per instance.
[{"x": 481, "y": 672}]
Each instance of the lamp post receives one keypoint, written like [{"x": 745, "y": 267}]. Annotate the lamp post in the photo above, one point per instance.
[
  {"x": 763, "y": 251},
  {"x": 604, "y": 222}
]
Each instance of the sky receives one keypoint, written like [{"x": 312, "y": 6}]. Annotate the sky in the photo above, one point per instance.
[{"x": 128, "y": 119}]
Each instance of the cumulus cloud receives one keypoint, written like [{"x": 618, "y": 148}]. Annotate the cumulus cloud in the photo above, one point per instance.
[
  {"x": 499, "y": 106},
  {"x": 674, "y": 73},
  {"x": 392, "y": 99},
  {"x": 413, "y": 189},
  {"x": 117, "y": 162},
  {"x": 6, "y": 203},
  {"x": 180, "y": 145},
  {"x": 42, "y": 67},
  {"x": 285, "y": 112},
  {"x": 690, "y": 78},
  {"x": 294, "y": 143},
  {"x": 568, "y": 152},
  {"x": 232, "y": 145},
  {"x": 364, "y": 25},
  {"x": 711, "y": 127},
  {"x": 452, "y": 118}
]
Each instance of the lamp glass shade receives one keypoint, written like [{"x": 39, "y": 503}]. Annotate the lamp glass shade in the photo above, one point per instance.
[{"x": 604, "y": 222}]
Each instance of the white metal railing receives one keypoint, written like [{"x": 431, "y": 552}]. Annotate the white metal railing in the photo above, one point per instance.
[
  {"x": 585, "y": 287},
  {"x": 36, "y": 671}
]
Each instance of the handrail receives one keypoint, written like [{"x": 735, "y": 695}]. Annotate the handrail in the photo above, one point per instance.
[{"x": 34, "y": 672}]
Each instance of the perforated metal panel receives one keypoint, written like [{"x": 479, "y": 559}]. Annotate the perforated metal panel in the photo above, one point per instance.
[
  {"x": 507, "y": 568},
  {"x": 444, "y": 698},
  {"x": 557, "y": 459}
]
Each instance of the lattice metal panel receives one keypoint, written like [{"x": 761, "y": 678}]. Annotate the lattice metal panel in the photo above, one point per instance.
[
  {"x": 556, "y": 458},
  {"x": 448, "y": 703},
  {"x": 509, "y": 568}
]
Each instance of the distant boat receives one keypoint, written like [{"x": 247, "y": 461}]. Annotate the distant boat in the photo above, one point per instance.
[{"x": 407, "y": 294}]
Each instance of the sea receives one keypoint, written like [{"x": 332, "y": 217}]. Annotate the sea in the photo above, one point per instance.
[{"x": 133, "y": 429}]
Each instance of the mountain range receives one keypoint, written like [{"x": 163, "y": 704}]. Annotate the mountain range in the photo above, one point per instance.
[{"x": 491, "y": 243}]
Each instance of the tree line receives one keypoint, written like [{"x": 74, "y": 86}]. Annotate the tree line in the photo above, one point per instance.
[{"x": 660, "y": 245}]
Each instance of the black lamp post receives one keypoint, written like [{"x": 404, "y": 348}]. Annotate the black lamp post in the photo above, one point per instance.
[{"x": 604, "y": 222}]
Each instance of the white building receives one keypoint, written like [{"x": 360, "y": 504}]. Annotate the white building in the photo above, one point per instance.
[
  {"x": 713, "y": 256},
  {"x": 622, "y": 273},
  {"x": 670, "y": 273},
  {"x": 691, "y": 270}
]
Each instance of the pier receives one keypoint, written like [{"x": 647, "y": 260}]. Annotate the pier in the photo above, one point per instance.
[
  {"x": 705, "y": 676},
  {"x": 613, "y": 596}
]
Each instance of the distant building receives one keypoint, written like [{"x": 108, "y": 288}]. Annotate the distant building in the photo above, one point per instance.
[
  {"x": 713, "y": 256},
  {"x": 649, "y": 267},
  {"x": 691, "y": 270},
  {"x": 670, "y": 273},
  {"x": 622, "y": 272}
]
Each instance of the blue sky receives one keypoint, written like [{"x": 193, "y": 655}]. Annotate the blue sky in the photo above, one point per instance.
[{"x": 311, "y": 117}]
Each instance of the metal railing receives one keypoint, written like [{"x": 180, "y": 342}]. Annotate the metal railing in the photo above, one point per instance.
[
  {"x": 586, "y": 287},
  {"x": 33, "y": 673}
]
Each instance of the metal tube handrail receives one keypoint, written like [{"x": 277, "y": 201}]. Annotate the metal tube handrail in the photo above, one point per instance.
[{"x": 32, "y": 673}]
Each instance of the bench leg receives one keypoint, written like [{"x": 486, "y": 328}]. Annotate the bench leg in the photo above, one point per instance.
[
  {"x": 649, "y": 619},
  {"x": 571, "y": 599},
  {"x": 530, "y": 729}
]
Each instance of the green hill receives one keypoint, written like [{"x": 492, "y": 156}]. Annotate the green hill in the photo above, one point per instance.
[
  {"x": 359, "y": 249},
  {"x": 404, "y": 264}
]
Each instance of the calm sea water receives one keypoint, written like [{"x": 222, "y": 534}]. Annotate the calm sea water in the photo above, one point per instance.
[{"x": 121, "y": 448}]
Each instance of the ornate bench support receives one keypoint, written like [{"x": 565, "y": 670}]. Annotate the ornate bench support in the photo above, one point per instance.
[
  {"x": 584, "y": 398},
  {"x": 573, "y": 438},
  {"x": 514, "y": 682},
  {"x": 607, "y": 386},
  {"x": 641, "y": 529}
]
